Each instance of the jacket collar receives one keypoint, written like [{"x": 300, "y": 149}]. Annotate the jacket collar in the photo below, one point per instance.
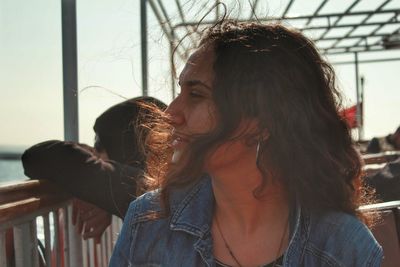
[
  {"x": 299, "y": 231},
  {"x": 192, "y": 209}
]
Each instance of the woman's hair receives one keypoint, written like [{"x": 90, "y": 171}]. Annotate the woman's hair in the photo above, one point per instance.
[
  {"x": 276, "y": 75},
  {"x": 117, "y": 131}
]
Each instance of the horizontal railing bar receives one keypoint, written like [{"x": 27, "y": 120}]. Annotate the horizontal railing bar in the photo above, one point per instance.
[
  {"x": 381, "y": 206},
  {"x": 26, "y": 215},
  {"x": 19, "y": 186},
  {"x": 13, "y": 191},
  {"x": 27, "y": 199},
  {"x": 380, "y": 157}
]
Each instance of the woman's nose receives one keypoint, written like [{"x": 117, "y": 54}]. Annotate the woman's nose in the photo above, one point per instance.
[{"x": 175, "y": 112}]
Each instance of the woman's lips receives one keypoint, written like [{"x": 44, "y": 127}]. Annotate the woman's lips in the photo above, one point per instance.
[
  {"x": 178, "y": 145},
  {"x": 178, "y": 142}
]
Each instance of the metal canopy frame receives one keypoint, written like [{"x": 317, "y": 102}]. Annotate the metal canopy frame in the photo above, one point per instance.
[{"x": 357, "y": 30}]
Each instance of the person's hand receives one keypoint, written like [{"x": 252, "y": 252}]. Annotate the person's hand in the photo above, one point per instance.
[{"x": 90, "y": 220}]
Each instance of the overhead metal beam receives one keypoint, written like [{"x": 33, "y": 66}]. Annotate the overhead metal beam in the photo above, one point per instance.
[
  {"x": 358, "y": 36},
  {"x": 253, "y": 9},
  {"x": 301, "y": 17},
  {"x": 350, "y": 25},
  {"x": 347, "y": 11},
  {"x": 354, "y": 47},
  {"x": 287, "y": 8},
  {"x": 381, "y": 60},
  {"x": 377, "y": 29},
  {"x": 345, "y": 50},
  {"x": 189, "y": 31},
  {"x": 362, "y": 22},
  {"x": 316, "y": 11},
  {"x": 169, "y": 32}
]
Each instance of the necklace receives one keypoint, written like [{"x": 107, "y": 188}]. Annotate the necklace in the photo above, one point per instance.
[{"x": 231, "y": 252}]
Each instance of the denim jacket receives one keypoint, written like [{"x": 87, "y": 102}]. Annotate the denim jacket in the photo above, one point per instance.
[{"x": 184, "y": 237}]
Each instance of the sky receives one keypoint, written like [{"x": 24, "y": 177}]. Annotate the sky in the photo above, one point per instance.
[{"x": 109, "y": 67}]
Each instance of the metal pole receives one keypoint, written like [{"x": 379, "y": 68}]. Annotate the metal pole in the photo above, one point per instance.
[
  {"x": 357, "y": 95},
  {"x": 70, "y": 70},
  {"x": 362, "y": 108},
  {"x": 143, "y": 28},
  {"x": 217, "y": 10},
  {"x": 70, "y": 83}
]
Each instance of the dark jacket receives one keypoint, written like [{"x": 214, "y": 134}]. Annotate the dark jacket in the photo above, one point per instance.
[
  {"x": 75, "y": 167},
  {"x": 386, "y": 182}
]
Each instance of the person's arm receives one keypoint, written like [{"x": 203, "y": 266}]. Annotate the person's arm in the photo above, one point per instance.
[{"x": 106, "y": 184}]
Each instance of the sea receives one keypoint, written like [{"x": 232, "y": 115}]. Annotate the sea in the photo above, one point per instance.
[
  {"x": 11, "y": 166},
  {"x": 11, "y": 170}
]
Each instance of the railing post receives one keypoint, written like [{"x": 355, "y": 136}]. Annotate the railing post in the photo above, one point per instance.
[
  {"x": 47, "y": 238},
  {"x": 25, "y": 245},
  {"x": 75, "y": 241},
  {"x": 3, "y": 256}
]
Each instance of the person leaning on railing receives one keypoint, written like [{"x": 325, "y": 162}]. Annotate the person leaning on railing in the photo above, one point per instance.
[
  {"x": 259, "y": 168},
  {"x": 387, "y": 143},
  {"x": 106, "y": 176},
  {"x": 386, "y": 182}
]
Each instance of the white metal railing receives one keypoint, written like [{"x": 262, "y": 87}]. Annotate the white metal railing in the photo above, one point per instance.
[{"x": 36, "y": 229}]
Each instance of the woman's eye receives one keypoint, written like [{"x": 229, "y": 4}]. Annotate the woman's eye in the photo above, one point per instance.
[{"x": 195, "y": 93}]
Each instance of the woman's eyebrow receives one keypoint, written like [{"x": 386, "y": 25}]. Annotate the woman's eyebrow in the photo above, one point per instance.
[{"x": 194, "y": 83}]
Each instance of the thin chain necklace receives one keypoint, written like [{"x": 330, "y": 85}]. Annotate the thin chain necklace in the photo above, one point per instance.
[{"x": 231, "y": 252}]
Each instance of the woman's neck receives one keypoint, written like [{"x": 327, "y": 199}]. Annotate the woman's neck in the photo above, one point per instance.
[
  {"x": 252, "y": 228},
  {"x": 237, "y": 203}
]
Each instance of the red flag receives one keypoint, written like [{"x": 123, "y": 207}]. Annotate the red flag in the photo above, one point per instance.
[{"x": 350, "y": 115}]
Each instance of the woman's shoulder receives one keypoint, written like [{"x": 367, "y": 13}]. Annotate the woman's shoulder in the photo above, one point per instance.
[
  {"x": 145, "y": 207},
  {"x": 149, "y": 206},
  {"x": 342, "y": 237},
  {"x": 339, "y": 224}
]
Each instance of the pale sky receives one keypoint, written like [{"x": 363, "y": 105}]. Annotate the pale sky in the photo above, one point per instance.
[{"x": 109, "y": 67}]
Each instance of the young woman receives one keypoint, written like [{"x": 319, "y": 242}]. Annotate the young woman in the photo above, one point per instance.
[{"x": 263, "y": 170}]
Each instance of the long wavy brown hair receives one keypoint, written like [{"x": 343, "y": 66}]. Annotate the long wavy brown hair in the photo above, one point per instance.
[{"x": 276, "y": 75}]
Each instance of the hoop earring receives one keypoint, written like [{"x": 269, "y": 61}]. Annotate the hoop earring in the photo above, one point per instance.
[{"x": 258, "y": 150}]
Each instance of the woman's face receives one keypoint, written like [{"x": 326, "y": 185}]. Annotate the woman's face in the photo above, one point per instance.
[{"x": 193, "y": 112}]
